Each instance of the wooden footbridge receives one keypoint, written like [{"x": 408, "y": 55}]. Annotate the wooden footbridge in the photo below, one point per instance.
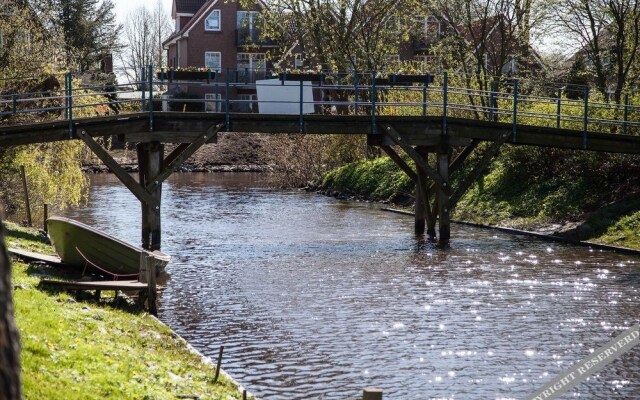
[{"x": 437, "y": 121}]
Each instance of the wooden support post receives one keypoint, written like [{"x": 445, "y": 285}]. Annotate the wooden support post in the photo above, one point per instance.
[
  {"x": 372, "y": 394},
  {"x": 45, "y": 217},
  {"x": 148, "y": 276},
  {"x": 421, "y": 204},
  {"x": 26, "y": 194},
  {"x": 444, "y": 222},
  {"x": 218, "y": 364},
  {"x": 150, "y": 157}
]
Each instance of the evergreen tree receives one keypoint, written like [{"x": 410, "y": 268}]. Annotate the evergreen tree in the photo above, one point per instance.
[
  {"x": 89, "y": 29},
  {"x": 577, "y": 79}
]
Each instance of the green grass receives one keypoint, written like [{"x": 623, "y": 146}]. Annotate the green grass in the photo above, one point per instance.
[{"x": 87, "y": 350}]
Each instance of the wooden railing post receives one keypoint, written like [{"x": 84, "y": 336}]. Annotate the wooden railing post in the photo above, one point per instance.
[
  {"x": 374, "y": 94},
  {"x": 301, "y": 122},
  {"x": 625, "y": 117},
  {"x": 356, "y": 90},
  {"x": 445, "y": 95},
  {"x": 227, "y": 101},
  {"x": 151, "y": 97},
  {"x": 586, "y": 117},
  {"x": 559, "y": 101},
  {"x": 143, "y": 88},
  {"x": 69, "y": 88},
  {"x": 515, "y": 110}
]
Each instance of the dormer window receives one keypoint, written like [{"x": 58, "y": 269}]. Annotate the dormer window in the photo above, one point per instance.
[{"x": 212, "y": 23}]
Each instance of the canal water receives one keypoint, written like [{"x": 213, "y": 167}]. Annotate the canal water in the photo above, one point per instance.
[{"x": 316, "y": 298}]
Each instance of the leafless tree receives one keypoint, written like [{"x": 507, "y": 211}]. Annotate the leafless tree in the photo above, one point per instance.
[
  {"x": 144, "y": 31},
  {"x": 608, "y": 32},
  {"x": 9, "y": 339}
]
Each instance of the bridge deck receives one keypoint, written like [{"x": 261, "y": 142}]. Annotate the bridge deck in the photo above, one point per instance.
[{"x": 173, "y": 127}]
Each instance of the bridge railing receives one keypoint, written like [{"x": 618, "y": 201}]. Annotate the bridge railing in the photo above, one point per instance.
[{"x": 510, "y": 101}]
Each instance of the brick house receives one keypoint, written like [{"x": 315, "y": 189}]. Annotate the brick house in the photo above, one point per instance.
[{"x": 225, "y": 38}]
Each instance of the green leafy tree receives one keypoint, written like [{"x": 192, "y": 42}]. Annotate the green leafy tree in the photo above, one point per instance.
[{"x": 341, "y": 35}]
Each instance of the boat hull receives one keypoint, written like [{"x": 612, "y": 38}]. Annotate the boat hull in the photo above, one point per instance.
[{"x": 105, "y": 251}]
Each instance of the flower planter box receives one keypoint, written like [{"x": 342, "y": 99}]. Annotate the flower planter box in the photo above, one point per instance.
[{"x": 186, "y": 75}]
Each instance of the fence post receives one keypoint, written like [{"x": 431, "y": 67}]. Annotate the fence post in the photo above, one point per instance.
[
  {"x": 218, "y": 364},
  {"x": 26, "y": 194},
  {"x": 586, "y": 117},
  {"x": 445, "y": 95},
  {"x": 151, "y": 97},
  {"x": 14, "y": 99},
  {"x": 558, "y": 108},
  {"x": 515, "y": 110},
  {"x": 625, "y": 117}
]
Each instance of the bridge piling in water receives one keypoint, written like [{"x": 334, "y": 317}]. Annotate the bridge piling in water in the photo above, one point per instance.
[{"x": 150, "y": 165}]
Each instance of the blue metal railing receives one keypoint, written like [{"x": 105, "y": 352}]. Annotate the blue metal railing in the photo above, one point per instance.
[{"x": 518, "y": 102}]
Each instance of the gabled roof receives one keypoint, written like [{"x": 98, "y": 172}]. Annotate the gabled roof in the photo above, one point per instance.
[
  {"x": 184, "y": 31},
  {"x": 205, "y": 6},
  {"x": 188, "y": 6}
]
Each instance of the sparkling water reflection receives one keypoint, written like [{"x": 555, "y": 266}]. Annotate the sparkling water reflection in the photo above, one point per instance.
[{"x": 318, "y": 298}]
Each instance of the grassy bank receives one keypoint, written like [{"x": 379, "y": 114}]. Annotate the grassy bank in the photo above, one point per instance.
[
  {"x": 89, "y": 350},
  {"x": 579, "y": 195}
]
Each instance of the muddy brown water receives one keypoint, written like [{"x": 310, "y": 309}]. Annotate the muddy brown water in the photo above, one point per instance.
[{"x": 315, "y": 298}]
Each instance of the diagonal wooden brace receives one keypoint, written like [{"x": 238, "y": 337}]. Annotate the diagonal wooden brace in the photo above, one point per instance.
[
  {"x": 482, "y": 164},
  {"x": 420, "y": 162},
  {"x": 119, "y": 172},
  {"x": 180, "y": 154},
  {"x": 400, "y": 163}
]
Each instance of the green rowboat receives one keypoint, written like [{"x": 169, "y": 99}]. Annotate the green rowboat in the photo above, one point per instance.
[{"x": 80, "y": 245}]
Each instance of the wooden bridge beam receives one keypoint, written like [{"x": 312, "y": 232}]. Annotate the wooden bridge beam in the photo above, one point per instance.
[
  {"x": 420, "y": 162},
  {"x": 400, "y": 163},
  {"x": 124, "y": 177},
  {"x": 180, "y": 155}
]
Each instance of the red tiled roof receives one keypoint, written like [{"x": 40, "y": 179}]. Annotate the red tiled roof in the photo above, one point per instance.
[{"x": 189, "y": 6}]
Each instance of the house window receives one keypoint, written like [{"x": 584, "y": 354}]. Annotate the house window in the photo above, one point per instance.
[
  {"x": 248, "y": 103},
  {"x": 298, "y": 62},
  {"x": 213, "y": 102},
  {"x": 213, "y": 60},
  {"x": 212, "y": 23},
  {"x": 251, "y": 66},
  {"x": 252, "y": 61},
  {"x": 247, "y": 20}
]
